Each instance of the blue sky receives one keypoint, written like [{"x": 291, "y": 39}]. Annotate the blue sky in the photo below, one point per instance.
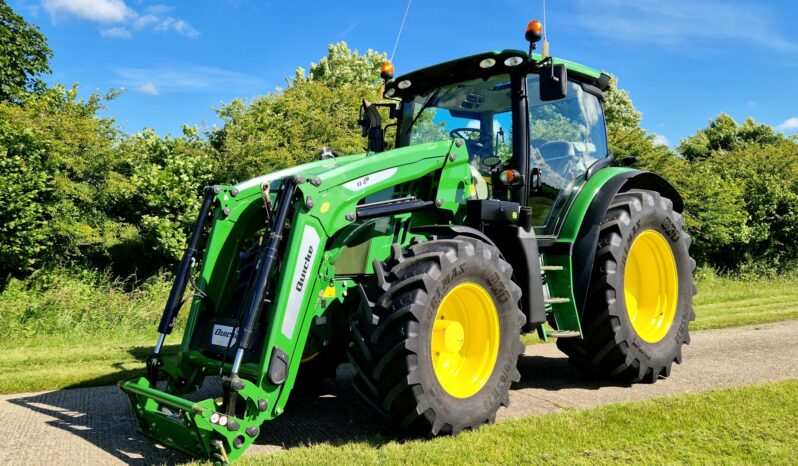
[{"x": 682, "y": 61}]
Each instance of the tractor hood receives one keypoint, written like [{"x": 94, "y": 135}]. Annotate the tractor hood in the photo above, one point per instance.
[{"x": 340, "y": 170}]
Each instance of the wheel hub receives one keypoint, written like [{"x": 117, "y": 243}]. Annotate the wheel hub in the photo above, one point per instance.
[
  {"x": 651, "y": 286},
  {"x": 465, "y": 340}
]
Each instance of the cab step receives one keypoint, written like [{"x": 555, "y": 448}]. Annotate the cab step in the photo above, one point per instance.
[
  {"x": 563, "y": 334},
  {"x": 551, "y": 268},
  {"x": 556, "y": 300}
]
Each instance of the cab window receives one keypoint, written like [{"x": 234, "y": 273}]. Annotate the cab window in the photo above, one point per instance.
[{"x": 566, "y": 137}]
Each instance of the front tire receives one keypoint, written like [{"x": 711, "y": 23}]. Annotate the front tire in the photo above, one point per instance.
[
  {"x": 639, "y": 301},
  {"x": 436, "y": 340}
]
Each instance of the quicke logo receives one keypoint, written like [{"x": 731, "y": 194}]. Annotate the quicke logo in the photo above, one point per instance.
[
  {"x": 303, "y": 276},
  {"x": 222, "y": 333}
]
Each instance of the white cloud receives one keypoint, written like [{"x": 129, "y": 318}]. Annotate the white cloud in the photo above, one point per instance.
[
  {"x": 101, "y": 11},
  {"x": 116, "y": 32},
  {"x": 790, "y": 124},
  {"x": 660, "y": 140},
  {"x": 158, "y": 9},
  {"x": 178, "y": 25},
  {"x": 185, "y": 78},
  {"x": 148, "y": 88},
  {"x": 684, "y": 23},
  {"x": 117, "y": 13}
]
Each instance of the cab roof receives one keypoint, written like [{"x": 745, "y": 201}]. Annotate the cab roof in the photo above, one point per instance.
[{"x": 462, "y": 69}]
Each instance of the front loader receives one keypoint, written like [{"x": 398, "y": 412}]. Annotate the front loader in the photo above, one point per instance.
[{"x": 497, "y": 213}]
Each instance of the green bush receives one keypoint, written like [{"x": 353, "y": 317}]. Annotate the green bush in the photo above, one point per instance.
[
  {"x": 65, "y": 303},
  {"x": 25, "y": 188},
  {"x": 84, "y": 194},
  {"x": 744, "y": 195}
]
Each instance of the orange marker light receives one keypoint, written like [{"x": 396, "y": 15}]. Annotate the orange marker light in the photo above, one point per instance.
[
  {"x": 534, "y": 31},
  {"x": 508, "y": 176},
  {"x": 386, "y": 72}
]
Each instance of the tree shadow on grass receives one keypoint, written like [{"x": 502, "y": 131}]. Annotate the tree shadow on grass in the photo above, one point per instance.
[{"x": 121, "y": 371}]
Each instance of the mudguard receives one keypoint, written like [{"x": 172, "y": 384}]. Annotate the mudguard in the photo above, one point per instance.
[{"x": 583, "y": 248}]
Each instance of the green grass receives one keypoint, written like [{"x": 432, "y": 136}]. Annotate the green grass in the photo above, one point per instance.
[
  {"x": 68, "y": 331},
  {"x": 72, "y": 363},
  {"x": 751, "y": 425},
  {"x": 726, "y": 302},
  {"x": 722, "y": 302},
  {"x": 63, "y": 304}
]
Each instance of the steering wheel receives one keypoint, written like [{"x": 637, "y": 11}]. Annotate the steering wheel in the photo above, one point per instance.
[
  {"x": 459, "y": 133},
  {"x": 475, "y": 148}
]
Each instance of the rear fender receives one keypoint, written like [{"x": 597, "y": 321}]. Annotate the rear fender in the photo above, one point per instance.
[{"x": 582, "y": 249}]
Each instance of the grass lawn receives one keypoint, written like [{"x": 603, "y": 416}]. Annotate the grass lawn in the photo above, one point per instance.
[
  {"x": 750, "y": 425},
  {"x": 73, "y": 362},
  {"x": 97, "y": 356},
  {"x": 729, "y": 303}
]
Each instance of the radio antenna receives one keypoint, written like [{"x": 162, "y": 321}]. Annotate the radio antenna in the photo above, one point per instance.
[
  {"x": 396, "y": 44},
  {"x": 544, "y": 49}
]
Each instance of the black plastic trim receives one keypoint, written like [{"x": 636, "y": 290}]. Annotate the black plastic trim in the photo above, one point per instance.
[
  {"x": 278, "y": 366},
  {"x": 519, "y": 247},
  {"x": 591, "y": 89},
  {"x": 598, "y": 165}
]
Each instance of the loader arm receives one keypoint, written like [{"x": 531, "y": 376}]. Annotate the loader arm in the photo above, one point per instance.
[{"x": 331, "y": 200}]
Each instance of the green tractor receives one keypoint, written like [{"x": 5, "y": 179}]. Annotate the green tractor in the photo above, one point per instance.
[{"x": 497, "y": 213}]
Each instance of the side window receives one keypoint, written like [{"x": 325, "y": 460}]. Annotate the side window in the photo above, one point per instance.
[{"x": 566, "y": 137}]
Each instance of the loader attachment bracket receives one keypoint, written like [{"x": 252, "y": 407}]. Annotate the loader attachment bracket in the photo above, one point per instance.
[{"x": 198, "y": 428}]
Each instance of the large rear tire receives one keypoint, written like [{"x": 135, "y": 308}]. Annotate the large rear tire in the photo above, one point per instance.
[
  {"x": 639, "y": 301},
  {"x": 436, "y": 339}
]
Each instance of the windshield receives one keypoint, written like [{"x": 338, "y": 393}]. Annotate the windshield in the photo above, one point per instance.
[{"x": 477, "y": 110}]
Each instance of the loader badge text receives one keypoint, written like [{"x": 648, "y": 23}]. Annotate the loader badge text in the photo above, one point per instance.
[{"x": 303, "y": 276}]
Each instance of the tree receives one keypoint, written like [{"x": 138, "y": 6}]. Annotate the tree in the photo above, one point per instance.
[
  {"x": 26, "y": 188},
  {"x": 81, "y": 193},
  {"x": 723, "y": 134},
  {"x": 715, "y": 214},
  {"x": 626, "y": 137},
  {"x": 343, "y": 67},
  {"x": 24, "y": 55},
  {"x": 289, "y": 126}
]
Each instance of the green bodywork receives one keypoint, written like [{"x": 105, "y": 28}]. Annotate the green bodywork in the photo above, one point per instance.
[{"x": 327, "y": 253}]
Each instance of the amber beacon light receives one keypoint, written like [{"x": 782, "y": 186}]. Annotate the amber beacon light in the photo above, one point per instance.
[
  {"x": 534, "y": 31},
  {"x": 386, "y": 72}
]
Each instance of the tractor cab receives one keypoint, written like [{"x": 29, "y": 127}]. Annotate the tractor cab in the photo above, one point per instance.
[{"x": 533, "y": 126}]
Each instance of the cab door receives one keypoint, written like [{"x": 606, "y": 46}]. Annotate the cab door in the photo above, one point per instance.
[{"x": 566, "y": 137}]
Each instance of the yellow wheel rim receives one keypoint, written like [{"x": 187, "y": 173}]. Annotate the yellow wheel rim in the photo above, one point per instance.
[
  {"x": 465, "y": 340},
  {"x": 651, "y": 286}
]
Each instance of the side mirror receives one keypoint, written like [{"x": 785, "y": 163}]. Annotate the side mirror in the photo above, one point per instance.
[
  {"x": 553, "y": 82},
  {"x": 491, "y": 161},
  {"x": 371, "y": 124}
]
